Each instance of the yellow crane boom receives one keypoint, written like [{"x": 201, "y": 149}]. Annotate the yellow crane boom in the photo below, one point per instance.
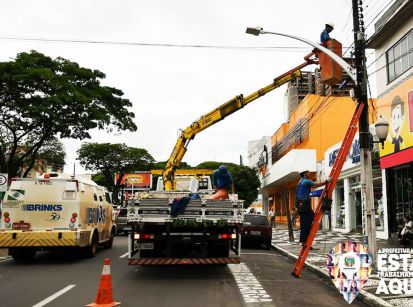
[{"x": 219, "y": 114}]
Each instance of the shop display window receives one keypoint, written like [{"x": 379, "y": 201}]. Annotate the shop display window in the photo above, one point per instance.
[{"x": 339, "y": 205}]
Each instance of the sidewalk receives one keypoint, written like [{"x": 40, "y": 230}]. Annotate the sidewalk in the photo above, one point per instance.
[{"x": 317, "y": 260}]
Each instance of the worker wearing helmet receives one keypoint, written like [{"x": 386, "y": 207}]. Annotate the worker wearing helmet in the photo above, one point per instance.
[
  {"x": 222, "y": 182},
  {"x": 325, "y": 35},
  {"x": 303, "y": 203}
]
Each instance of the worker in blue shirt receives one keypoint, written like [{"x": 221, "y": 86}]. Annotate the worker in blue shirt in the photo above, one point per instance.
[
  {"x": 222, "y": 182},
  {"x": 303, "y": 203},
  {"x": 325, "y": 35}
]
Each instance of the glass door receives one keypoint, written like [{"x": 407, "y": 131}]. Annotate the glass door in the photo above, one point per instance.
[{"x": 402, "y": 196}]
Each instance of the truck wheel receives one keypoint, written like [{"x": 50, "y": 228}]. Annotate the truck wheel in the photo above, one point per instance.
[
  {"x": 109, "y": 243},
  {"x": 90, "y": 251},
  {"x": 22, "y": 254},
  {"x": 268, "y": 245}
]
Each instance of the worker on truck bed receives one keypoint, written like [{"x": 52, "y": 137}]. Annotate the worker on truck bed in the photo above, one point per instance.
[
  {"x": 325, "y": 36},
  {"x": 222, "y": 182},
  {"x": 303, "y": 203}
]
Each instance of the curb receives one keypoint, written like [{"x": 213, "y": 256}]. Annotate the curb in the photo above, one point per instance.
[{"x": 364, "y": 296}]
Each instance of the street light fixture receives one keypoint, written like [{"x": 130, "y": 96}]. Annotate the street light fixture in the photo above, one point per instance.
[
  {"x": 382, "y": 130},
  {"x": 347, "y": 67},
  {"x": 254, "y": 31}
]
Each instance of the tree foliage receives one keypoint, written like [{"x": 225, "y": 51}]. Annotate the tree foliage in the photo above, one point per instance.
[
  {"x": 42, "y": 98},
  {"x": 109, "y": 159},
  {"x": 52, "y": 151}
]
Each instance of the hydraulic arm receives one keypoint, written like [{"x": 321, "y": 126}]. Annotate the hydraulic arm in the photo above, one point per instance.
[{"x": 219, "y": 114}]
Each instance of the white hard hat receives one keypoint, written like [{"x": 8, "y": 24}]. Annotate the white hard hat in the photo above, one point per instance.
[
  {"x": 303, "y": 170},
  {"x": 330, "y": 24}
]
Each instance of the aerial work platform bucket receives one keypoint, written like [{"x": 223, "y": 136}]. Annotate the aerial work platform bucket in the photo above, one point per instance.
[{"x": 331, "y": 72}]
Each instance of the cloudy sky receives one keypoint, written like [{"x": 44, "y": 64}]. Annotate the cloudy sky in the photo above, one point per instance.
[{"x": 176, "y": 60}]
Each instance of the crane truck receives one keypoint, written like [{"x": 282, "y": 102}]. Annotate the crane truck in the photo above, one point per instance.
[{"x": 207, "y": 231}]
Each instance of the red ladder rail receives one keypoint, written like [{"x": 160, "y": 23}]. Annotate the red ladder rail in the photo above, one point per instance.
[{"x": 328, "y": 190}]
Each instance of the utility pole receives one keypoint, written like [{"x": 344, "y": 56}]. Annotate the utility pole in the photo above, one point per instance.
[{"x": 367, "y": 195}]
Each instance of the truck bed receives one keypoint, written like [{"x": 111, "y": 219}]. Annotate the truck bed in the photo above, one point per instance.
[{"x": 157, "y": 209}]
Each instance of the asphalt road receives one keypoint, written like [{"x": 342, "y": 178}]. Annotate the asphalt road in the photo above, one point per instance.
[{"x": 263, "y": 279}]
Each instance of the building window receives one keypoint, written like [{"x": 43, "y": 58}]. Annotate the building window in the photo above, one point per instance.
[{"x": 400, "y": 57}]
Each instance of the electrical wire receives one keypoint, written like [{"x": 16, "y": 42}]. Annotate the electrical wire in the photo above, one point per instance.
[
  {"x": 140, "y": 44},
  {"x": 168, "y": 45},
  {"x": 381, "y": 11}
]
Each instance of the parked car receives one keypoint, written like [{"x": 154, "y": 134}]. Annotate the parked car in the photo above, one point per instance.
[
  {"x": 256, "y": 230},
  {"x": 121, "y": 221}
]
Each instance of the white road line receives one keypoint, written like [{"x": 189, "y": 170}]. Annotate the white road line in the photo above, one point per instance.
[
  {"x": 249, "y": 286},
  {"x": 124, "y": 255},
  {"x": 54, "y": 296}
]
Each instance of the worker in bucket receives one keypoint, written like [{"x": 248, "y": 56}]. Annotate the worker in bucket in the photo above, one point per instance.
[
  {"x": 222, "y": 183},
  {"x": 303, "y": 203},
  {"x": 325, "y": 35}
]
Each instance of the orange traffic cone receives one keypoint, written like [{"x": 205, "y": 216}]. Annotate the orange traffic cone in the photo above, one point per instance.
[{"x": 104, "y": 297}]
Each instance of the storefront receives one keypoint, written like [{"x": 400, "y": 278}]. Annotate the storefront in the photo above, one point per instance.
[
  {"x": 347, "y": 212},
  {"x": 400, "y": 194},
  {"x": 396, "y": 158}
]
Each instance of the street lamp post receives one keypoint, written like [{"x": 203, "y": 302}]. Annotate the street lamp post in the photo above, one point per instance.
[{"x": 343, "y": 64}]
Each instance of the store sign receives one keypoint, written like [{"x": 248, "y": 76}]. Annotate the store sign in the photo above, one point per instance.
[
  {"x": 352, "y": 159},
  {"x": 396, "y": 107},
  {"x": 136, "y": 181},
  {"x": 263, "y": 159}
]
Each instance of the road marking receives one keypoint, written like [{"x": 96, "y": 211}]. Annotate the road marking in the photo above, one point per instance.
[
  {"x": 249, "y": 286},
  {"x": 124, "y": 255},
  {"x": 54, "y": 296}
]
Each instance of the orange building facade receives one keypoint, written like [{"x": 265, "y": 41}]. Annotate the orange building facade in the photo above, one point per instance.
[{"x": 317, "y": 124}]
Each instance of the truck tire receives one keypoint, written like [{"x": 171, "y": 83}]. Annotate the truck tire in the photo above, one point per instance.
[
  {"x": 268, "y": 245},
  {"x": 22, "y": 254},
  {"x": 90, "y": 251},
  {"x": 109, "y": 243}
]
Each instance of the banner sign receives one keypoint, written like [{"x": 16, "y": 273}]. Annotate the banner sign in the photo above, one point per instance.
[{"x": 136, "y": 180}]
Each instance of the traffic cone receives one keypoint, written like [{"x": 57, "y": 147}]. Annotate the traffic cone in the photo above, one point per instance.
[{"x": 104, "y": 297}]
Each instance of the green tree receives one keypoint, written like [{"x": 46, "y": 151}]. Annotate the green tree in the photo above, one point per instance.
[
  {"x": 246, "y": 181},
  {"x": 108, "y": 159},
  {"x": 41, "y": 98},
  {"x": 52, "y": 151}
]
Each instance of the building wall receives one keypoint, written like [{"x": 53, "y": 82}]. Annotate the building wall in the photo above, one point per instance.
[
  {"x": 395, "y": 104},
  {"x": 255, "y": 150},
  {"x": 380, "y": 53},
  {"x": 326, "y": 127}
]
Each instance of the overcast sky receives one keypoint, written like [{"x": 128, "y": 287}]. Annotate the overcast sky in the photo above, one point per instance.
[{"x": 170, "y": 87}]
